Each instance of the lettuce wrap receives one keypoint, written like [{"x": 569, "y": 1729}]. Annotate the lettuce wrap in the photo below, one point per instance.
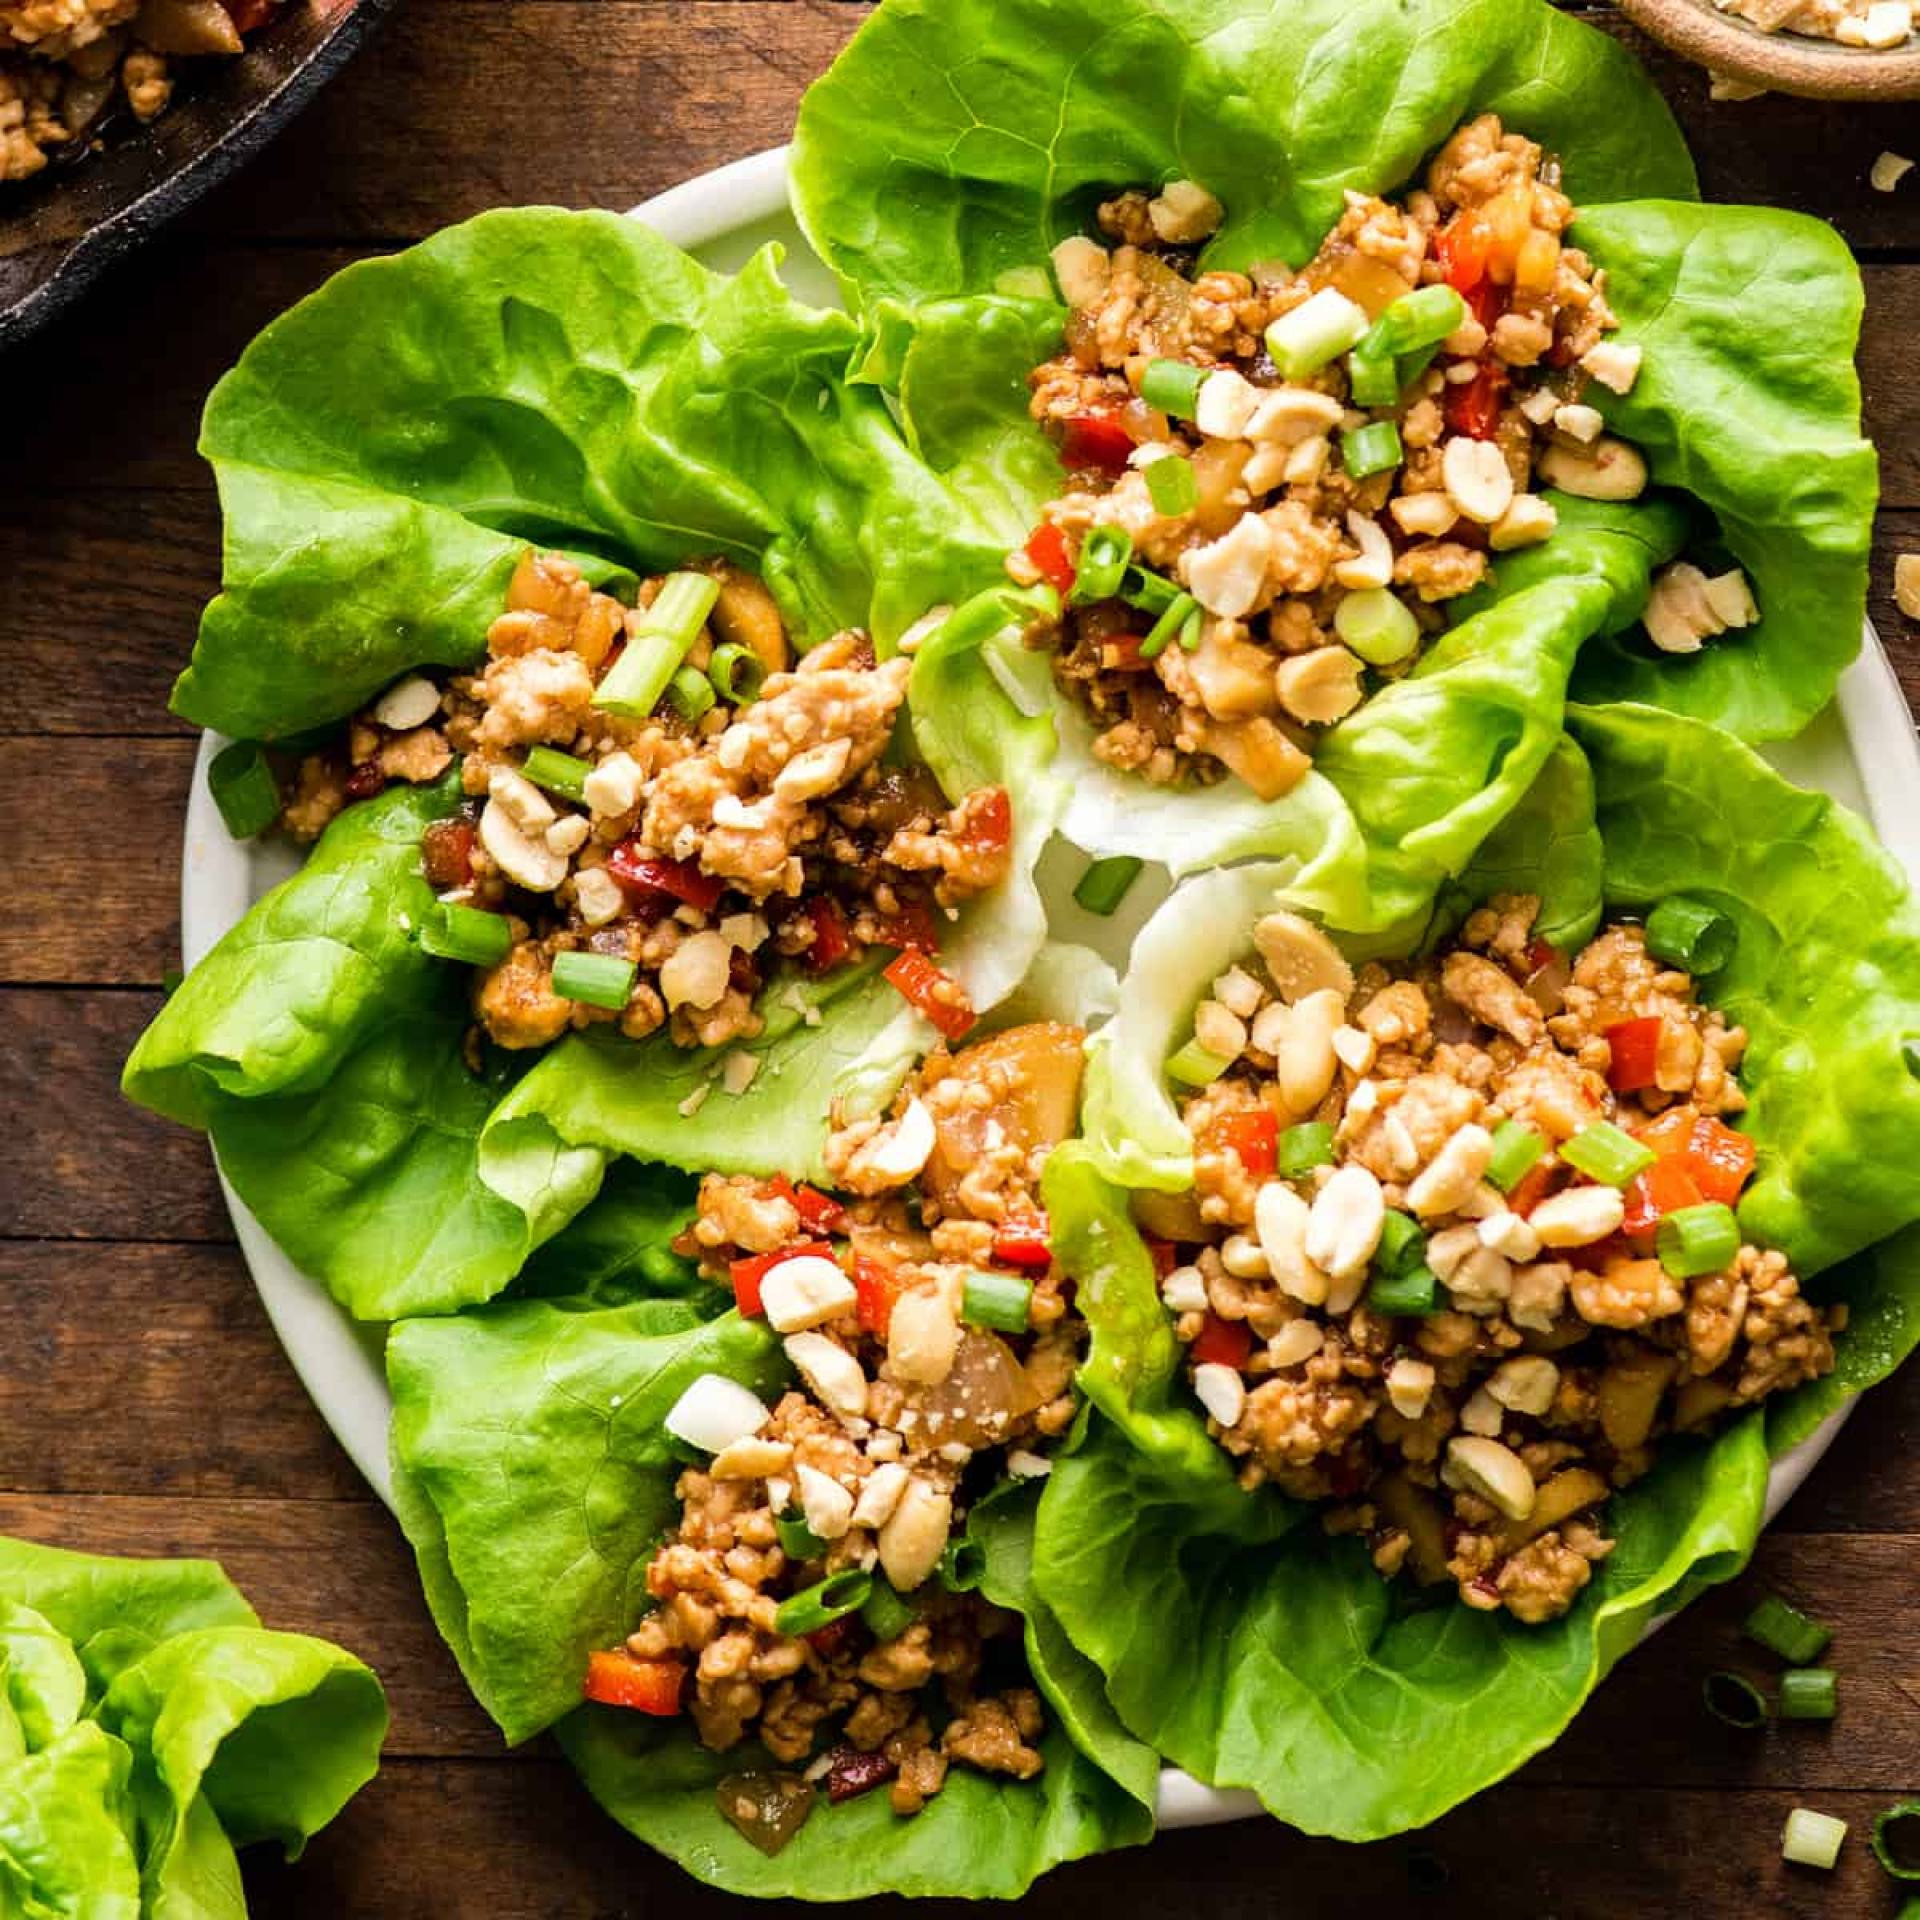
[
  {"x": 1348, "y": 1707},
  {"x": 149, "y": 1725}
]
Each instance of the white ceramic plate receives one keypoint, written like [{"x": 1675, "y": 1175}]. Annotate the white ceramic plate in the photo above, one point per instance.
[{"x": 1862, "y": 750}]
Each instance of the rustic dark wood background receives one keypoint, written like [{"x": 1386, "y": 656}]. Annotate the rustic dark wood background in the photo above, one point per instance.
[{"x": 144, "y": 1404}]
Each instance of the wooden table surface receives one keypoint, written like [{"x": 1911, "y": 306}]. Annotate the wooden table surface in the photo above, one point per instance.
[{"x": 144, "y": 1403}]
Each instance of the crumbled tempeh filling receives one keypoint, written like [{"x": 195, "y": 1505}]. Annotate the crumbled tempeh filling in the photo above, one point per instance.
[{"x": 1403, "y": 1286}]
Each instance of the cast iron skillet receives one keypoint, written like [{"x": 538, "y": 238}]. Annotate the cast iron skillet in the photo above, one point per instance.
[{"x": 58, "y": 230}]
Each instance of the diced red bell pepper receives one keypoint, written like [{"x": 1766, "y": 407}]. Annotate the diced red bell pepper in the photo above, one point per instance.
[
  {"x": 1487, "y": 302},
  {"x": 828, "y": 1640},
  {"x": 1096, "y": 440},
  {"x": 937, "y": 995},
  {"x": 1664, "y": 1188},
  {"x": 248, "y": 15},
  {"x": 1719, "y": 1159},
  {"x": 989, "y": 824},
  {"x": 912, "y": 929},
  {"x": 1047, "y": 549},
  {"x": 831, "y": 943},
  {"x": 1473, "y": 408},
  {"x": 876, "y": 1287},
  {"x": 1541, "y": 955},
  {"x": 819, "y": 1212},
  {"x": 1163, "y": 1254},
  {"x": 1025, "y": 1243},
  {"x": 1461, "y": 248},
  {"x": 1635, "y": 1047},
  {"x": 1222, "y": 1343},
  {"x": 647, "y": 880},
  {"x": 365, "y": 780},
  {"x": 1254, "y": 1138},
  {"x": 446, "y": 854},
  {"x": 647, "y": 1686},
  {"x": 747, "y": 1274},
  {"x": 1532, "y": 1187}
]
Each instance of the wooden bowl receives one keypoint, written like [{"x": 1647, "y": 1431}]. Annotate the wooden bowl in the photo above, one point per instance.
[{"x": 1780, "y": 62}]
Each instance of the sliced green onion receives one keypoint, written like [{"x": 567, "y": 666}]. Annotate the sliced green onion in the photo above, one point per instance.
[
  {"x": 1734, "y": 1701},
  {"x": 1170, "y": 485},
  {"x": 1416, "y": 1291},
  {"x": 465, "y": 933},
  {"x": 558, "y": 772},
  {"x": 1516, "y": 1149},
  {"x": 1173, "y": 386},
  {"x": 1695, "y": 1240},
  {"x": 798, "y": 1541},
  {"x": 1373, "y": 380},
  {"x": 1691, "y": 934},
  {"x": 1812, "y": 1839},
  {"x": 998, "y": 1300},
  {"x": 1102, "y": 565},
  {"x": 1604, "y": 1153},
  {"x": 1377, "y": 625},
  {"x": 963, "y": 1565},
  {"x": 1413, "y": 365},
  {"x": 1899, "y": 1854},
  {"x": 1317, "y": 331},
  {"x": 838, "y": 1595},
  {"x": 1374, "y": 448},
  {"x": 595, "y": 979},
  {"x": 658, "y": 644},
  {"x": 737, "y": 673},
  {"x": 1809, "y": 1693},
  {"x": 1170, "y": 622},
  {"x": 690, "y": 693},
  {"x": 1105, "y": 883},
  {"x": 1190, "y": 629},
  {"x": 887, "y": 1612},
  {"x": 244, "y": 789},
  {"x": 1796, "y": 1637},
  {"x": 1194, "y": 1066},
  {"x": 1150, "y": 592},
  {"x": 1302, "y": 1148},
  {"x": 1422, "y": 318},
  {"x": 1403, "y": 1243}
]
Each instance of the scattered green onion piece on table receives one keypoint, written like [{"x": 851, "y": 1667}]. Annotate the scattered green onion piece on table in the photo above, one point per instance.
[
  {"x": 1194, "y": 1066},
  {"x": 1809, "y": 1693},
  {"x": 1170, "y": 623},
  {"x": 1102, "y": 565},
  {"x": 1377, "y": 625},
  {"x": 838, "y": 1595},
  {"x": 466, "y": 934},
  {"x": 1171, "y": 486},
  {"x": 1002, "y": 1301},
  {"x": 963, "y": 1565},
  {"x": 1374, "y": 448},
  {"x": 659, "y": 643},
  {"x": 244, "y": 789},
  {"x": 1150, "y": 592},
  {"x": 887, "y": 1612},
  {"x": 1812, "y": 1839},
  {"x": 1688, "y": 933},
  {"x": 1899, "y": 1854},
  {"x": 1516, "y": 1149},
  {"x": 690, "y": 694},
  {"x": 1317, "y": 331},
  {"x": 594, "y": 979},
  {"x": 1373, "y": 380},
  {"x": 1604, "y": 1153},
  {"x": 1416, "y": 1291},
  {"x": 1304, "y": 1147},
  {"x": 1796, "y": 1637},
  {"x": 1403, "y": 1243},
  {"x": 1734, "y": 1701},
  {"x": 737, "y": 673},
  {"x": 1422, "y": 318},
  {"x": 1106, "y": 883},
  {"x": 1695, "y": 1240},
  {"x": 1173, "y": 386},
  {"x": 557, "y": 772},
  {"x": 798, "y": 1541}
]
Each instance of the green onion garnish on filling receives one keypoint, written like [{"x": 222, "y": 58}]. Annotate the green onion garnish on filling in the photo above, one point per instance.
[
  {"x": 838, "y": 1595},
  {"x": 1690, "y": 934},
  {"x": 244, "y": 789},
  {"x": 1516, "y": 1149},
  {"x": 798, "y": 1541},
  {"x": 1102, "y": 565},
  {"x": 1320, "y": 329},
  {"x": 1374, "y": 448},
  {"x": 1795, "y": 1636},
  {"x": 1604, "y": 1153},
  {"x": 1170, "y": 485},
  {"x": 1377, "y": 625},
  {"x": 737, "y": 674},
  {"x": 557, "y": 772},
  {"x": 1734, "y": 1700},
  {"x": 1190, "y": 630},
  {"x": 1812, "y": 1839},
  {"x": 1403, "y": 1245},
  {"x": 1172, "y": 621},
  {"x": 1373, "y": 380},
  {"x": 1194, "y": 1066},
  {"x": 1896, "y": 1840},
  {"x": 963, "y": 1565},
  {"x": 1302, "y": 1148},
  {"x": 454, "y": 932},
  {"x": 1695, "y": 1240},
  {"x": 1809, "y": 1693},
  {"x": 1106, "y": 882},
  {"x": 1173, "y": 386},
  {"x": 1417, "y": 1291},
  {"x": 1422, "y": 318},
  {"x": 999, "y": 1300},
  {"x": 690, "y": 693},
  {"x": 887, "y": 1613},
  {"x": 1150, "y": 592},
  {"x": 596, "y": 979},
  {"x": 659, "y": 643}
]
